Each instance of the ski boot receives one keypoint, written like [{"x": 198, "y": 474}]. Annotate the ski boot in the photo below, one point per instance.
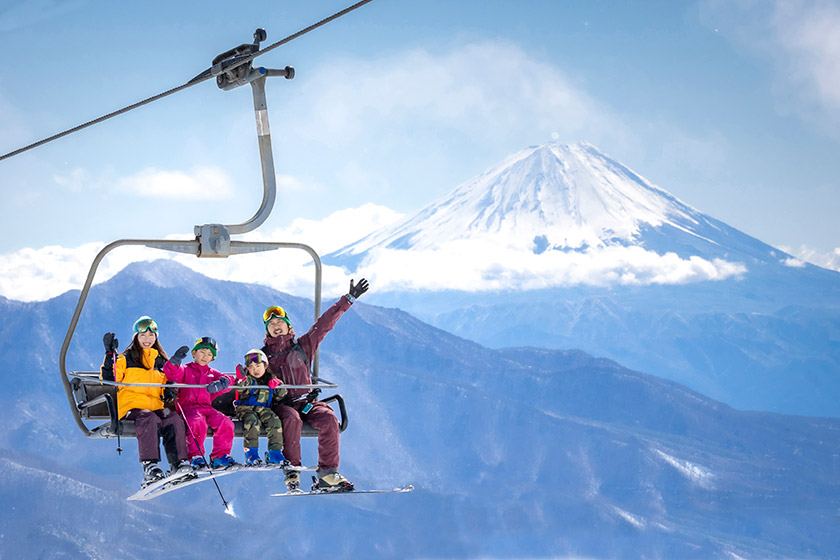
[
  {"x": 225, "y": 462},
  {"x": 329, "y": 480},
  {"x": 293, "y": 481},
  {"x": 252, "y": 457},
  {"x": 198, "y": 463},
  {"x": 274, "y": 457},
  {"x": 182, "y": 468},
  {"x": 151, "y": 473}
]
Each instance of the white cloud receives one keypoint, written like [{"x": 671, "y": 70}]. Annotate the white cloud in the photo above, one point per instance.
[
  {"x": 200, "y": 182},
  {"x": 75, "y": 182},
  {"x": 474, "y": 265},
  {"x": 809, "y": 36},
  {"x": 800, "y": 37},
  {"x": 419, "y": 107},
  {"x": 468, "y": 88},
  {"x": 829, "y": 260},
  {"x": 40, "y": 274}
]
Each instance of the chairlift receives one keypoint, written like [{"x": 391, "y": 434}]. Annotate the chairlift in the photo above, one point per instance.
[{"x": 92, "y": 399}]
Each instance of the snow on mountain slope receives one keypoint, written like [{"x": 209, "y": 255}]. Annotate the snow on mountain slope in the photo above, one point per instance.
[
  {"x": 570, "y": 195},
  {"x": 553, "y": 215},
  {"x": 514, "y": 453}
]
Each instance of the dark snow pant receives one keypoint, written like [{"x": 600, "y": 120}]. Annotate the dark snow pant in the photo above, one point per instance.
[
  {"x": 322, "y": 418},
  {"x": 163, "y": 423}
]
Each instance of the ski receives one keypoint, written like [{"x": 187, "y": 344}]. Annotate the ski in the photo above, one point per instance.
[
  {"x": 168, "y": 484},
  {"x": 408, "y": 488},
  {"x": 154, "y": 488}
]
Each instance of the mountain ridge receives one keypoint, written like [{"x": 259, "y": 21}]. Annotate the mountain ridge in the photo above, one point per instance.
[{"x": 515, "y": 452}]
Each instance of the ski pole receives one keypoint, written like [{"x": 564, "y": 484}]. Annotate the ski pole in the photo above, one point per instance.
[{"x": 209, "y": 466}]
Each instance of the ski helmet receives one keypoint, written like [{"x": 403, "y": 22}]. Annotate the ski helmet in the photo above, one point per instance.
[{"x": 255, "y": 355}]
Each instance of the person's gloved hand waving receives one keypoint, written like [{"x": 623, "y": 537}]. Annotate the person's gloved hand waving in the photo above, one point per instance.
[
  {"x": 358, "y": 289},
  {"x": 179, "y": 355},
  {"x": 111, "y": 343},
  {"x": 219, "y": 385}
]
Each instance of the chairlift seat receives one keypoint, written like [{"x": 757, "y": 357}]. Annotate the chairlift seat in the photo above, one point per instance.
[{"x": 96, "y": 401}]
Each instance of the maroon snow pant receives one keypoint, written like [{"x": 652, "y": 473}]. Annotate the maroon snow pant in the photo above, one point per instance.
[
  {"x": 163, "y": 423},
  {"x": 323, "y": 419}
]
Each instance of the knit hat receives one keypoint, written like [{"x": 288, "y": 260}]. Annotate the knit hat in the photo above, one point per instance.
[
  {"x": 206, "y": 342},
  {"x": 275, "y": 312}
]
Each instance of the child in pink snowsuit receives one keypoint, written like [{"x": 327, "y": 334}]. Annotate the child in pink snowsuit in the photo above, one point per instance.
[{"x": 195, "y": 404}]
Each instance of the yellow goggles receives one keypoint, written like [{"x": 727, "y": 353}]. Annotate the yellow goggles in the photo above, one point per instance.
[{"x": 274, "y": 312}]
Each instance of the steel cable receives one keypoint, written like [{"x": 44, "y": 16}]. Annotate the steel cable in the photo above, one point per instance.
[{"x": 204, "y": 76}]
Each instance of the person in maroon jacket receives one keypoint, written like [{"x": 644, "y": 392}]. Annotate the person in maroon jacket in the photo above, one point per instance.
[{"x": 289, "y": 360}]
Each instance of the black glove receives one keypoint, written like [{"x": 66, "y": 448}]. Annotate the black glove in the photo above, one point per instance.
[
  {"x": 313, "y": 395},
  {"x": 358, "y": 289},
  {"x": 179, "y": 355},
  {"x": 111, "y": 343},
  {"x": 284, "y": 400},
  {"x": 219, "y": 385},
  {"x": 170, "y": 394}
]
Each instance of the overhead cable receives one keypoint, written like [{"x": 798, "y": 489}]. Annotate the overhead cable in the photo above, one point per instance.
[{"x": 204, "y": 76}]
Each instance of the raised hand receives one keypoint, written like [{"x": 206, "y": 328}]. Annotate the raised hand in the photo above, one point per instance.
[
  {"x": 111, "y": 343},
  {"x": 179, "y": 355},
  {"x": 358, "y": 289}
]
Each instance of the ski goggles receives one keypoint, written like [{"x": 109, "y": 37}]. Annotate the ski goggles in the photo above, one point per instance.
[
  {"x": 255, "y": 358},
  {"x": 206, "y": 342},
  {"x": 144, "y": 324},
  {"x": 274, "y": 312}
]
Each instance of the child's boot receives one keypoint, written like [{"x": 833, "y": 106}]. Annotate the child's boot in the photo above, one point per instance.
[
  {"x": 198, "y": 462},
  {"x": 275, "y": 457},
  {"x": 225, "y": 462},
  {"x": 252, "y": 456},
  {"x": 151, "y": 473}
]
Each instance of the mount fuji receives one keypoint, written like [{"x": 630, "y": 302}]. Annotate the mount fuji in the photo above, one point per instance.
[
  {"x": 561, "y": 246},
  {"x": 563, "y": 215}
]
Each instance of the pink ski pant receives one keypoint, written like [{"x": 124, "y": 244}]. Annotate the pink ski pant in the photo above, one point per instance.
[{"x": 198, "y": 419}]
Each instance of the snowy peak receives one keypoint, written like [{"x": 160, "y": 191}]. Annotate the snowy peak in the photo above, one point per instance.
[
  {"x": 554, "y": 196},
  {"x": 554, "y": 215}
]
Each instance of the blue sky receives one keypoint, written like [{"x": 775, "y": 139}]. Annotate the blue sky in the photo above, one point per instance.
[{"x": 732, "y": 106}]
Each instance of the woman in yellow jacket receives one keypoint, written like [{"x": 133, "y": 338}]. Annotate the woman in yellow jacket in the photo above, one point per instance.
[{"x": 142, "y": 362}]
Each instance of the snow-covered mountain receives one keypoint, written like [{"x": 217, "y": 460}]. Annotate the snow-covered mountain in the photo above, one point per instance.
[
  {"x": 560, "y": 246},
  {"x": 515, "y": 453},
  {"x": 560, "y": 215}
]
